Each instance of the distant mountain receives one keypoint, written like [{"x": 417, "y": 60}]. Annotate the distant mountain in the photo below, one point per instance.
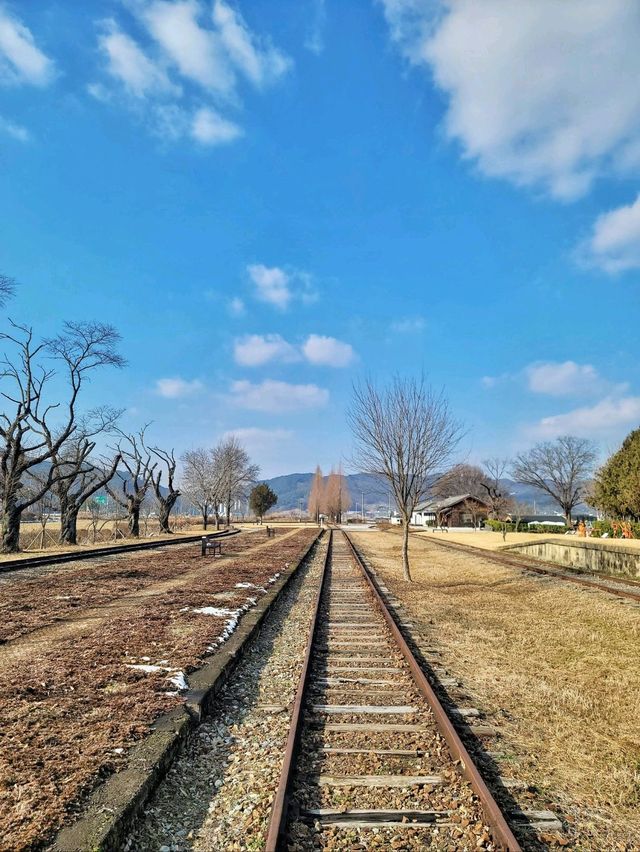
[{"x": 294, "y": 487}]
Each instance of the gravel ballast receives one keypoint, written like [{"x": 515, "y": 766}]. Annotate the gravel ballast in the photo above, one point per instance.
[{"x": 218, "y": 794}]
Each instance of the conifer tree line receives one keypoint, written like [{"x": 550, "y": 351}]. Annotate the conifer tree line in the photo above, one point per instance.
[
  {"x": 49, "y": 456},
  {"x": 329, "y": 496}
]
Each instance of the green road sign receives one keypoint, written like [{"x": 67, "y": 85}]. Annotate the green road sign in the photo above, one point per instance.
[{"x": 101, "y": 499}]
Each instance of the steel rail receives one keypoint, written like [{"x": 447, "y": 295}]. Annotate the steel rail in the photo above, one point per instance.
[
  {"x": 529, "y": 563},
  {"x": 278, "y": 817},
  {"x": 91, "y": 553},
  {"x": 502, "y": 834}
]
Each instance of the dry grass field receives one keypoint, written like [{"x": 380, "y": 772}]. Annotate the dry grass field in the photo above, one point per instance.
[{"x": 554, "y": 667}]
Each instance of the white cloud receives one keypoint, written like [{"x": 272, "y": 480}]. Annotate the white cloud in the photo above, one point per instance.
[
  {"x": 315, "y": 38},
  {"x": 278, "y": 397},
  {"x": 260, "y": 63},
  {"x": 236, "y": 307},
  {"x": 256, "y": 349},
  {"x": 197, "y": 51},
  {"x": 408, "y": 325},
  {"x": 327, "y": 351},
  {"x": 279, "y": 287},
  {"x": 564, "y": 378},
  {"x": 601, "y": 419},
  {"x": 210, "y": 128},
  {"x": 272, "y": 284},
  {"x": 127, "y": 62},
  {"x": 539, "y": 92},
  {"x": 189, "y": 68},
  {"x": 175, "y": 388},
  {"x": 16, "y": 131},
  {"x": 253, "y": 438},
  {"x": 614, "y": 244},
  {"x": 21, "y": 60}
]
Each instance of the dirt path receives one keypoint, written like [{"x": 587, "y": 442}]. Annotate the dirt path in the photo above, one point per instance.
[{"x": 85, "y": 621}]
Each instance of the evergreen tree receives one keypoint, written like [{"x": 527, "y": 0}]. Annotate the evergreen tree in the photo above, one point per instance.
[{"x": 616, "y": 489}]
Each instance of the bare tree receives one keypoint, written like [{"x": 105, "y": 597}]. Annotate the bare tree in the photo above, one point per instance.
[
  {"x": 129, "y": 487},
  {"x": 201, "y": 482},
  {"x": 460, "y": 479},
  {"x": 315, "y": 495},
  {"x": 30, "y": 413},
  {"x": 237, "y": 473},
  {"x": 166, "y": 499},
  {"x": 405, "y": 433},
  {"x": 7, "y": 289},
  {"x": 336, "y": 496},
  {"x": 77, "y": 477},
  {"x": 561, "y": 468},
  {"x": 495, "y": 470}
]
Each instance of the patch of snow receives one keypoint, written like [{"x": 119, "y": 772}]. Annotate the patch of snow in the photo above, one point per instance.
[
  {"x": 179, "y": 681},
  {"x": 214, "y": 610},
  {"x": 147, "y": 668},
  {"x": 245, "y": 586}
]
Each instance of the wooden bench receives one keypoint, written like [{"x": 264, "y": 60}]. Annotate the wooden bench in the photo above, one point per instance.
[
  {"x": 271, "y": 532},
  {"x": 211, "y": 546}
]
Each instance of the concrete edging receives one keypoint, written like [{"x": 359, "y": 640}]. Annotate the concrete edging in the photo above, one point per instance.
[{"x": 114, "y": 805}]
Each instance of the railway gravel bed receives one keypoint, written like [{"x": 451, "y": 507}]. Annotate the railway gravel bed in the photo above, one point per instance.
[{"x": 218, "y": 794}]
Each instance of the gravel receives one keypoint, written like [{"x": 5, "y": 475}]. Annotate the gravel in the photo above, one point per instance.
[{"x": 218, "y": 794}]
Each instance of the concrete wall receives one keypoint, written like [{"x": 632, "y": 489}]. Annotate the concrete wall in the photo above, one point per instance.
[{"x": 606, "y": 557}]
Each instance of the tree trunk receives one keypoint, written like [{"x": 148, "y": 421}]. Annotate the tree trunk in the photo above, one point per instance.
[
  {"x": 69, "y": 524},
  {"x": 205, "y": 518},
  {"x": 163, "y": 517},
  {"x": 134, "y": 521},
  {"x": 229, "y": 512},
  {"x": 11, "y": 517},
  {"x": 217, "y": 519},
  {"x": 406, "y": 573}
]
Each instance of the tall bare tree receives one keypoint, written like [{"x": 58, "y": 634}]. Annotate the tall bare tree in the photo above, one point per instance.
[
  {"x": 166, "y": 499},
  {"x": 561, "y": 468},
  {"x": 495, "y": 470},
  {"x": 336, "y": 498},
  {"x": 237, "y": 473},
  {"x": 460, "y": 479},
  {"x": 406, "y": 433},
  {"x": 314, "y": 504},
  {"x": 77, "y": 475},
  {"x": 201, "y": 482},
  {"x": 129, "y": 487},
  {"x": 30, "y": 412}
]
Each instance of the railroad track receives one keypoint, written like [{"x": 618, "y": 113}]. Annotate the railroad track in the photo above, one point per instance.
[
  {"x": 372, "y": 760},
  {"x": 93, "y": 552},
  {"x": 622, "y": 588}
]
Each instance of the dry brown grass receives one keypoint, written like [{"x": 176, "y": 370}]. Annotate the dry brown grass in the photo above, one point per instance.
[{"x": 557, "y": 668}]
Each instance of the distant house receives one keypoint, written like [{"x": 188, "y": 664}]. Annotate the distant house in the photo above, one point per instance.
[{"x": 463, "y": 510}]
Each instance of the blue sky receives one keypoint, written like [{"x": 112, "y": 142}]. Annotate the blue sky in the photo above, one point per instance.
[{"x": 270, "y": 200}]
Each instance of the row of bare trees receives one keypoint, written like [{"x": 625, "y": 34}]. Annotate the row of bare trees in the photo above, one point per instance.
[
  {"x": 329, "y": 497},
  {"x": 48, "y": 445},
  {"x": 215, "y": 478}
]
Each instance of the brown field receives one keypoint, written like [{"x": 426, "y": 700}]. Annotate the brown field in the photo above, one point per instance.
[
  {"x": 554, "y": 667},
  {"x": 72, "y": 701}
]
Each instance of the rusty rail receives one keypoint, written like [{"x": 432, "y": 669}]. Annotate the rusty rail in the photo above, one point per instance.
[
  {"x": 278, "y": 818},
  {"x": 502, "y": 834}
]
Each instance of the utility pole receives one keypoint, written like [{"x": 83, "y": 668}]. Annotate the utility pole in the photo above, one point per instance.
[{"x": 363, "y": 517}]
